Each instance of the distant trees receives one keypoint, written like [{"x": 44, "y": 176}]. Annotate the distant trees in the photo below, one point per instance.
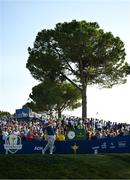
[
  {"x": 4, "y": 113},
  {"x": 50, "y": 95},
  {"x": 81, "y": 53}
]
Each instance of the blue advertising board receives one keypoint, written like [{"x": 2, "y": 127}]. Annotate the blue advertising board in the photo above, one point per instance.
[
  {"x": 23, "y": 113},
  {"x": 107, "y": 145}
]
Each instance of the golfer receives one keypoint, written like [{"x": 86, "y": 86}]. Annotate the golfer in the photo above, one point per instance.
[{"x": 50, "y": 130}]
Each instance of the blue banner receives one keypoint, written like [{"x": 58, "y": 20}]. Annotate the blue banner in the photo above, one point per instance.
[
  {"x": 14, "y": 144},
  {"x": 23, "y": 113}
]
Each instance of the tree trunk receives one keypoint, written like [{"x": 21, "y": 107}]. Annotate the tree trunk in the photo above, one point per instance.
[
  {"x": 84, "y": 102},
  {"x": 59, "y": 113},
  {"x": 83, "y": 73}
]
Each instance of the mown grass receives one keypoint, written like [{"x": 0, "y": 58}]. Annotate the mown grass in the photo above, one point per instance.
[{"x": 83, "y": 166}]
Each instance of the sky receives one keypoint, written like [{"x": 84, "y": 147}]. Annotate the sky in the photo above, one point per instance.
[{"x": 21, "y": 20}]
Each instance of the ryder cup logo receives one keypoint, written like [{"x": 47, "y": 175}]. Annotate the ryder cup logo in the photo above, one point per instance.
[{"x": 12, "y": 144}]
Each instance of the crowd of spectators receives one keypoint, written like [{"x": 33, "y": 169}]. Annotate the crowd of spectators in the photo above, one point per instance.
[{"x": 33, "y": 129}]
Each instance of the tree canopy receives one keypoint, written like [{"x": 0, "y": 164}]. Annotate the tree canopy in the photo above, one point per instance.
[
  {"x": 4, "y": 113},
  {"x": 50, "y": 95},
  {"x": 80, "y": 52}
]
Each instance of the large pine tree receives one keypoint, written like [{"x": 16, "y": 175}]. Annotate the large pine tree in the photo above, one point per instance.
[{"x": 81, "y": 53}]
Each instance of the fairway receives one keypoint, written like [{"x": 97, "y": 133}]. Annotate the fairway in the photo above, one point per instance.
[{"x": 36, "y": 166}]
